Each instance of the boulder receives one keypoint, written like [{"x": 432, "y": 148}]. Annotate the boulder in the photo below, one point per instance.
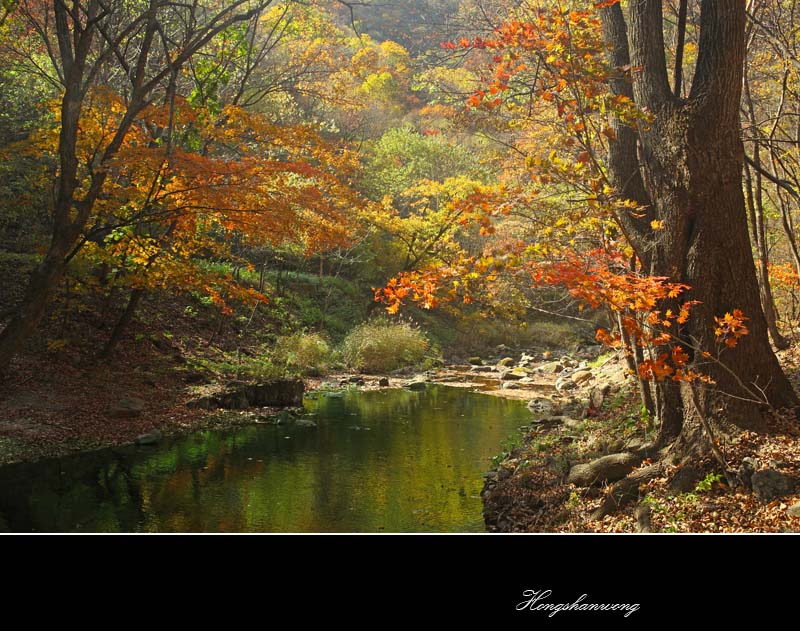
[
  {"x": 383, "y": 382},
  {"x": 582, "y": 376},
  {"x": 150, "y": 438},
  {"x": 598, "y": 395},
  {"x": 475, "y": 361},
  {"x": 606, "y": 469},
  {"x": 513, "y": 375},
  {"x": 565, "y": 383},
  {"x": 568, "y": 362},
  {"x": 128, "y": 407},
  {"x": 505, "y": 362},
  {"x": 239, "y": 396},
  {"x": 551, "y": 368},
  {"x": 542, "y": 406},
  {"x": 769, "y": 484},
  {"x": 482, "y": 369},
  {"x": 794, "y": 510},
  {"x": 416, "y": 385},
  {"x": 276, "y": 393},
  {"x": 746, "y": 470},
  {"x": 510, "y": 385}
]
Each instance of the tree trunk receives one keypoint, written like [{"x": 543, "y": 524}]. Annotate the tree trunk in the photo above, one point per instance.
[
  {"x": 123, "y": 322},
  {"x": 26, "y": 318},
  {"x": 691, "y": 159},
  {"x": 755, "y": 203}
]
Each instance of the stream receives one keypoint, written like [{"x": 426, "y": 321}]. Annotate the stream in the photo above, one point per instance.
[{"x": 380, "y": 461}]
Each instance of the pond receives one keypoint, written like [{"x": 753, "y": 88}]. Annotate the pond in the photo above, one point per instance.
[{"x": 379, "y": 461}]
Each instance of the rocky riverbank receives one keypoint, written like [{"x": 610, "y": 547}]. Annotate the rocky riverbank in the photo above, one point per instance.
[{"x": 594, "y": 468}]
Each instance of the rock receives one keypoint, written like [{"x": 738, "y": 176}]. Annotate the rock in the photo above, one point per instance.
[
  {"x": 355, "y": 379},
  {"x": 502, "y": 348},
  {"x": 151, "y": 438},
  {"x": 746, "y": 470},
  {"x": 276, "y": 393},
  {"x": 234, "y": 399},
  {"x": 475, "y": 361},
  {"x": 383, "y": 382},
  {"x": 550, "y": 421},
  {"x": 505, "y": 362},
  {"x": 794, "y": 510},
  {"x": 582, "y": 376},
  {"x": 128, "y": 407},
  {"x": 304, "y": 422},
  {"x": 239, "y": 396},
  {"x": 542, "y": 406},
  {"x": 606, "y": 469},
  {"x": 685, "y": 480},
  {"x": 513, "y": 375},
  {"x": 483, "y": 369},
  {"x": 551, "y": 368},
  {"x": 579, "y": 408},
  {"x": 568, "y": 362},
  {"x": 510, "y": 385},
  {"x": 769, "y": 484},
  {"x": 598, "y": 395},
  {"x": 565, "y": 383},
  {"x": 416, "y": 385}
]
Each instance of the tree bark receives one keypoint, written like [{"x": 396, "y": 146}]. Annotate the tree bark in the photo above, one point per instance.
[{"x": 123, "y": 322}]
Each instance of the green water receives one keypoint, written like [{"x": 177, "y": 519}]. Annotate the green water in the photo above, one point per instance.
[{"x": 383, "y": 461}]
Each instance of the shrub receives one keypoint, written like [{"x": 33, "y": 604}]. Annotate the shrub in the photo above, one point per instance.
[
  {"x": 381, "y": 346},
  {"x": 306, "y": 353}
]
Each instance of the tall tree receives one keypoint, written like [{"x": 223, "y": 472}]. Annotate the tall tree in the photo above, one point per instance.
[
  {"x": 143, "y": 45},
  {"x": 691, "y": 159}
]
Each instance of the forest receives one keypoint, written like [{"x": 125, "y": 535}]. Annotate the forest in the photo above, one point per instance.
[{"x": 323, "y": 243}]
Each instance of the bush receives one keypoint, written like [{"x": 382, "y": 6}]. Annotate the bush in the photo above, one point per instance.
[
  {"x": 306, "y": 353},
  {"x": 381, "y": 346}
]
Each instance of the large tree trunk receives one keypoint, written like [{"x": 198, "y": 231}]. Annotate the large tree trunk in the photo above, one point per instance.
[{"x": 691, "y": 159}]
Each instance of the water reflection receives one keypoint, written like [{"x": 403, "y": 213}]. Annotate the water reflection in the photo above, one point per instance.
[{"x": 385, "y": 461}]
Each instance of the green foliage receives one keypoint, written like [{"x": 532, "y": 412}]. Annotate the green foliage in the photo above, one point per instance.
[
  {"x": 706, "y": 484},
  {"x": 382, "y": 346},
  {"x": 402, "y": 157},
  {"x": 303, "y": 353},
  {"x": 238, "y": 366}
]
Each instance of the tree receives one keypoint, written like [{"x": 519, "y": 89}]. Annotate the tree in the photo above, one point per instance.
[
  {"x": 89, "y": 42},
  {"x": 671, "y": 185},
  {"x": 690, "y": 160}
]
